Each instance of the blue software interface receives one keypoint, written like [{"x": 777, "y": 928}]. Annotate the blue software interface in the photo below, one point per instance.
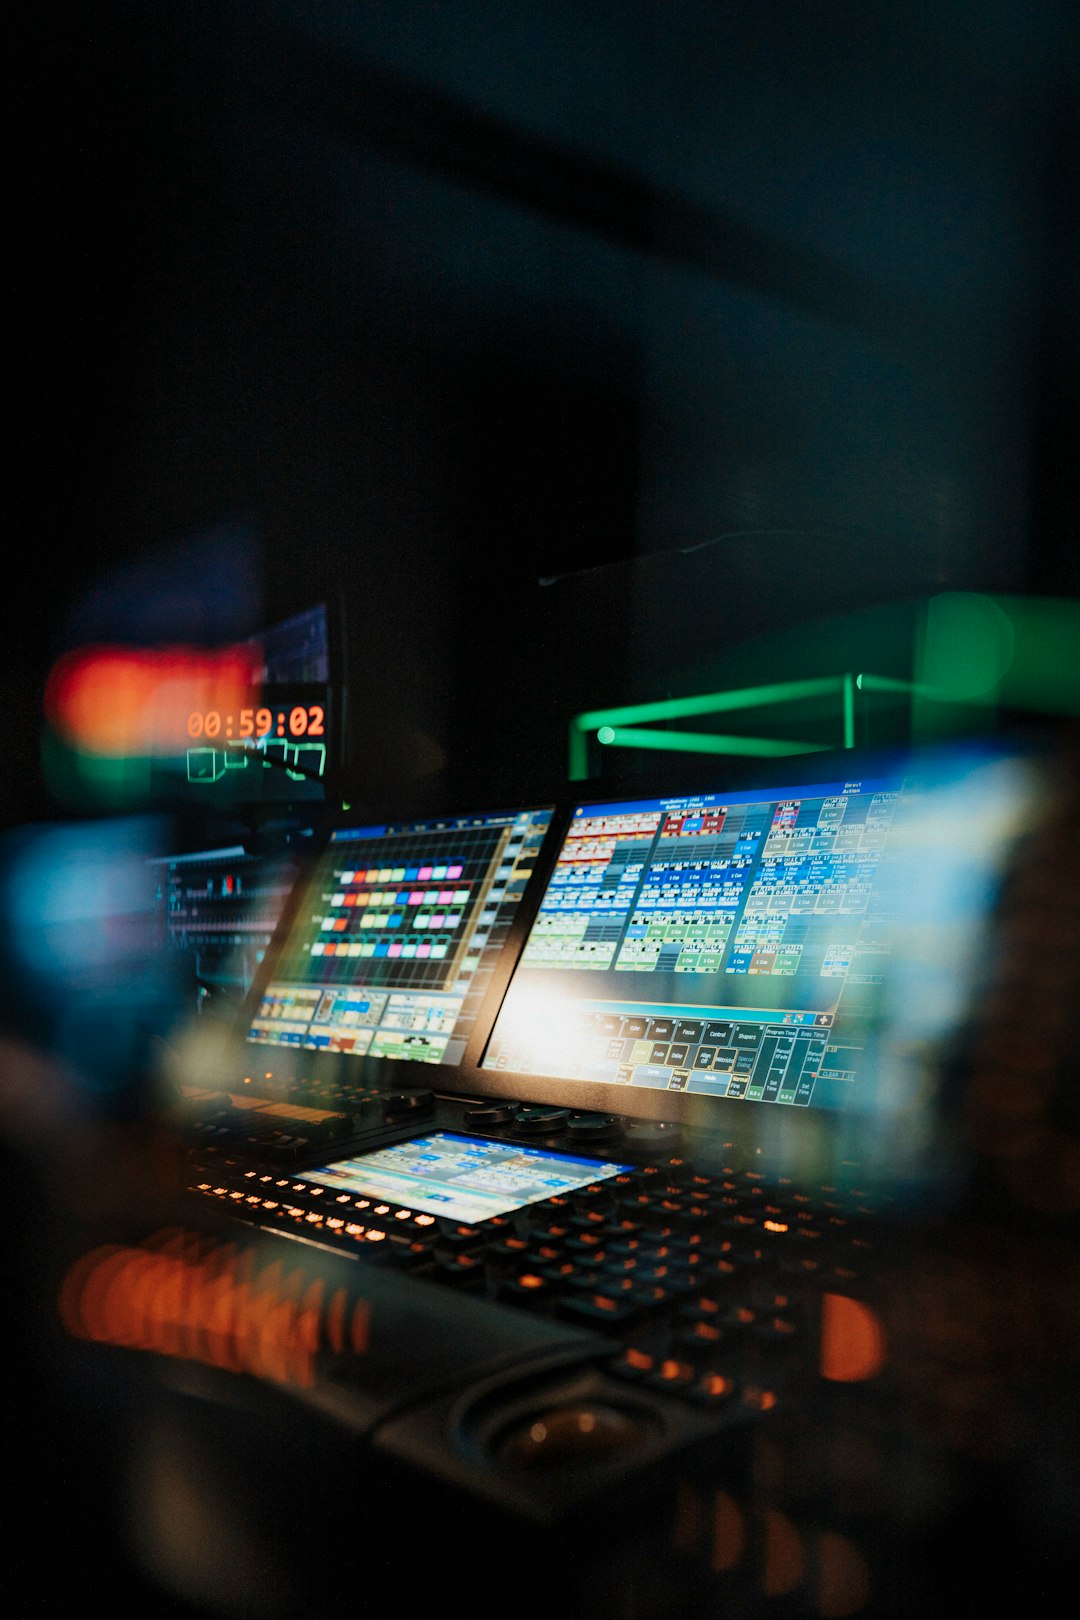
[{"x": 710, "y": 945}]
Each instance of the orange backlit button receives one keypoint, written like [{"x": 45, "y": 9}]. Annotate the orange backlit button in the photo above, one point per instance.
[
  {"x": 551, "y": 1229},
  {"x": 633, "y": 1363},
  {"x": 776, "y": 1329},
  {"x": 459, "y": 1236},
  {"x": 747, "y": 1255},
  {"x": 527, "y": 1289},
  {"x": 541, "y": 1255},
  {"x": 801, "y": 1265},
  {"x": 463, "y": 1269},
  {"x": 672, "y": 1374},
  {"x": 766, "y": 1298},
  {"x": 712, "y": 1389},
  {"x": 589, "y": 1265},
  {"x": 597, "y": 1310},
  {"x": 717, "y": 1269},
  {"x": 650, "y": 1296},
  {"x": 508, "y": 1248},
  {"x": 739, "y": 1317},
  {"x": 600, "y": 1280},
  {"x": 587, "y": 1243},
  {"x": 562, "y": 1272},
  {"x": 406, "y": 1256}
]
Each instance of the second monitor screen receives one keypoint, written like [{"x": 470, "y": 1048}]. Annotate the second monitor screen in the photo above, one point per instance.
[{"x": 708, "y": 945}]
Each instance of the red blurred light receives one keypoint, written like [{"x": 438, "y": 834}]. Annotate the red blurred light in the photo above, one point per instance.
[{"x": 125, "y": 701}]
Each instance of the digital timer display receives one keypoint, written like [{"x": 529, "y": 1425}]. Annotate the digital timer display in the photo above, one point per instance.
[
  {"x": 257, "y": 721},
  {"x": 259, "y": 745},
  {"x": 256, "y": 724}
]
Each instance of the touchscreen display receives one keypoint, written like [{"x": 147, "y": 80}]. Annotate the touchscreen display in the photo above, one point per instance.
[
  {"x": 398, "y": 935},
  {"x": 814, "y": 946},
  {"x": 705, "y": 944},
  {"x": 465, "y": 1178}
]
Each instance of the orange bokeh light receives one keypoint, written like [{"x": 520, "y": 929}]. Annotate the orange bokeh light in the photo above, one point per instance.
[{"x": 852, "y": 1340}]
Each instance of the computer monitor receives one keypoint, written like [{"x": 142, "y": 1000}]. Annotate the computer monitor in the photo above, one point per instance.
[
  {"x": 800, "y": 946},
  {"x": 396, "y": 939},
  {"x": 216, "y": 911}
]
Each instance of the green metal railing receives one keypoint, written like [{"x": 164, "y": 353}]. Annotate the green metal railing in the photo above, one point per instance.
[
  {"x": 631, "y": 725},
  {"x": 973, "y": 654}
]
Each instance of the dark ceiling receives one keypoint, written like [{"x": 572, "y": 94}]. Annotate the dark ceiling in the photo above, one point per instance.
[{"x": 573, "y": 345}]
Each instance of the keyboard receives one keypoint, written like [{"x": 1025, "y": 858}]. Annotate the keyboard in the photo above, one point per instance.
[
  {"x": 686, "y": 1370},
  {"x": 702, "y": 1279}
]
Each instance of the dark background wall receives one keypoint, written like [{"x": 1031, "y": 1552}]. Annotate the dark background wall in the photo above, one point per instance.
[{"x": 574, "y": 344}]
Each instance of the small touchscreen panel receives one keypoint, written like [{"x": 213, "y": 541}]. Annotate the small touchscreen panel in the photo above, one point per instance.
[{"x": 465, "y": 1178}]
